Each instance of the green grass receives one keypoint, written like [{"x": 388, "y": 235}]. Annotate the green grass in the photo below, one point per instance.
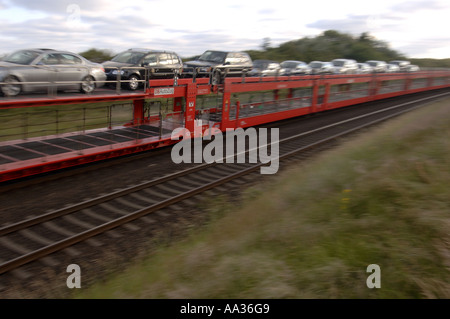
[{"x": 311, "y": 231}]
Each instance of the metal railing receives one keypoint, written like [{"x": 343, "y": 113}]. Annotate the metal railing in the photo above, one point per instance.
[{"x": 25, "y": 123}]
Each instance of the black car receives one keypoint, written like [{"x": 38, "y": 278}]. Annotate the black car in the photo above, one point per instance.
[
  {"x": 136, "y": 65},
  {"x": 218, "y": 65}
]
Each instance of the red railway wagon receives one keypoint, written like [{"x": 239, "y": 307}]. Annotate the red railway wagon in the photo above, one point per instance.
[{"x": 164, "y": 105}]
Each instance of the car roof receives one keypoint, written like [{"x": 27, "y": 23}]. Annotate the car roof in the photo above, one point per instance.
[
  {"x": 225, "y": 51},
  {"x": 144, "y": 50},
  {"x": 40, "y": 50},
  {"x": 46, "y": 50},
  {"x": 342, "y": 59},
  {"x": 321, "y": 62}
]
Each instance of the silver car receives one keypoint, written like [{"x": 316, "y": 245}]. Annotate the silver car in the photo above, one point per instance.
[
  {"x": 364, "y": 68},
  {"x": 413, "y": 68},
  {"x": 37, "y": 70},
  {"x": 293, "y": 67},
  {"x": 392, "y": 68},
  {"x": 403, "y": 65},
  {"x": 344, "y": 66},
  {"x": 377, "y": 66},
  {"x": 319, "y": 67},
  {"x": 264, "y": 68}
]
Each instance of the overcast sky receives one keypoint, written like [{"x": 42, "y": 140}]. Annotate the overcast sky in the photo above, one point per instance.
[{"x": 416, "y": 28}]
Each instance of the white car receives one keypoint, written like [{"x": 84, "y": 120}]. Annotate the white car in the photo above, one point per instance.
[
  {"x": 392, "y": 68},
  {"x": 344, "y": 66},
  {"x": 319, "y": 67},
  {"x": 378, "y": 66},
  {"x": 413, "y": 68},
  {"x": 403, "y": 65},
  {"x": 364, "y": 68},
  {"x": 264, "y": 68},
  {"x": 292, "y": 67}
]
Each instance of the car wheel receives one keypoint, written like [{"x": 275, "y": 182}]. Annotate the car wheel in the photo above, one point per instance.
[
  {"x": 216, "y": 79},
  {"x": 134, "y": 82},
  {"x": 87, "y": 84},
  {"x": 12, "y": 86}
]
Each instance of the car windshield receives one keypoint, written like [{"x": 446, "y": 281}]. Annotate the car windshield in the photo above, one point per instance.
[
  {"x": 213, "y": 56},
  {"x": 289, "y": 65},
  {"x": 338, "y": 63},
  {"x": 315, "y": 64},
  {"x": 400, "y": 63},
  {"x": 128, "y": 57},
  {"x": 22, "y": 57},
  {"x": 372, "y": 63}
]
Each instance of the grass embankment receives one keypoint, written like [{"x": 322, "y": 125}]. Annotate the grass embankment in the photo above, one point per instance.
[{"x": 381, "y": 198}]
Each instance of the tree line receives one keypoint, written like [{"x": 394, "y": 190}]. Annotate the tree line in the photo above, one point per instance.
[{"x": 327, "y": 46}]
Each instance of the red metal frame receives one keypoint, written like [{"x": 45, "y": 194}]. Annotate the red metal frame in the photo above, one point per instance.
[
  {"x": 374, "y": 82},
  {"x": 188, "y": 90},
  {"x": 68, "y": 100}
]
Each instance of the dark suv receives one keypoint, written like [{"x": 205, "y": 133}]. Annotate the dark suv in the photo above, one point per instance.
[
  {"x": 134, "y": 64},
  {"x": 218, "y": 65}
]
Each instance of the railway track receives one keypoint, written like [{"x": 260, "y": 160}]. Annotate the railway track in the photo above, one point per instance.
[{"x": 38, "y": 237}]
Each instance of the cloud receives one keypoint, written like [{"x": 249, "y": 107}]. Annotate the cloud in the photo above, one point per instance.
[
  {"x": 61, "y": 6},
  {"x": 270, "y": 20},
  {"x": 267, "y": 11},
  {"x": 414, "y": 6},
  {"x": 211, "y": 41},
  {"x": 57, "y": 31},
  {"x": 424, "y": 47},
  {"x": 115, "y": 34},
  {"x": 125, "y": 25},
  {"x": 357, "y": 24}
]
